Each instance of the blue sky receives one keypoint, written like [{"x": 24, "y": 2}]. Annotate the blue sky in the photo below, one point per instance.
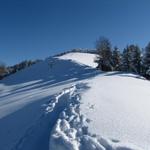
[{"x": 32, "y": 29}]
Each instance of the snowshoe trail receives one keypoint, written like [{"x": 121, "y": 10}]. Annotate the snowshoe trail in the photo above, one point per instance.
[
  {"x": 71, "y": 129},
  {"x": 37, "y": 135},
  {"x": 47, "y": 107}
]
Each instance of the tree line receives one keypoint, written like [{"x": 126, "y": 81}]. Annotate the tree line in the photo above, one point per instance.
[
  {"x": 131, "y": 59},
  {"x": 6, "y": 71}
]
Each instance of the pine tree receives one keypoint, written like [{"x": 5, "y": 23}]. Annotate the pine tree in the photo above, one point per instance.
[
  {"x": 146, "y": 60},
  {"x": 136, "y": 59},
  {"x": 126, "y": 59},
  {"x": 131, "y": 61},
  {"x": 104, "y": 51},
  {"x": 116, "y": 59}
]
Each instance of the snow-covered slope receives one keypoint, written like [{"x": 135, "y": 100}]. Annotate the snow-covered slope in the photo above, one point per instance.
[
  {"x": 118, "y": 107},
  {"x": 82, "y": 58},
  {"x": 65, "y": 104}
]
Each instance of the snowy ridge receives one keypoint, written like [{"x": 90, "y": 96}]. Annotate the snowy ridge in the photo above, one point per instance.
[
  {"x": 81, "y": 58},
  {"x": 71, "y": 130}
]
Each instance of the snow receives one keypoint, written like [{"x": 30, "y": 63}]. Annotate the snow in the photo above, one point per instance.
[
  {"x": 26, "y": 97},
  {"x": 72, "y": 129},
  {"x": 64, "y": 103},
  {"x": 82, "y": 58},
  {"x": 118, "y": 106}
]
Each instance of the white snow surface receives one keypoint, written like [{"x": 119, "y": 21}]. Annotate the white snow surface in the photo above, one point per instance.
[
  {"x": 118, "y": 107},
  {"x": 82, "y": 58},
  {"x": 65, "y": 104}
]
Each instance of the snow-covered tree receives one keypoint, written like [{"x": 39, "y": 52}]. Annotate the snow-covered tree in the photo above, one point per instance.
[
  {"x": 131, "y": 59},
  {"x": 126, "y": 59},
  {"x": 136, "y": 58},
  {"x": 104, "y": 51},
  {"x": 116, "y": 59},
  {"x": 146, "y": 60}
]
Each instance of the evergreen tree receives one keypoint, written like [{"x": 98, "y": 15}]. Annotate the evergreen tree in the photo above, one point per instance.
[
  {"x": 116, "y": 59},
  {"x": 136, "y": 58},
  {"x": 131, "y": 59},
  {"x": 104, "y": 51},
  {"x": 126, "y": 59},
  {"x": 146, "y": 60}
]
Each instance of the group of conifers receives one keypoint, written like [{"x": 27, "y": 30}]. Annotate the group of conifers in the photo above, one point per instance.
[{"x": 131, "y": 59}]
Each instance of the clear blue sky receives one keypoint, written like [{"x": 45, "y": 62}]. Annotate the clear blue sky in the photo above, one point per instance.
[{"x": 32, "y": 29}]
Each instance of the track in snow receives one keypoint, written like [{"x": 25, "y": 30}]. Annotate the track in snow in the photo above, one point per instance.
[
  {"x": 37, "y": 136},
  {"x": 33, "y": 118},
  {"x": 61, "y": 126},
  {"x": 71, "y": 129}
]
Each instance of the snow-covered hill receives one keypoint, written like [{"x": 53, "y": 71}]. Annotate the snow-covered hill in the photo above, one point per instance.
[
  {"x": 81, "y": 58},
  {"x": 64, "y": 103}
]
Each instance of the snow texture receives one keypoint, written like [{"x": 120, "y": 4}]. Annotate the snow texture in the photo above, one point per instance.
[
  {"x": 81, "y": 58},
  {"x": 71, "y": 130},
  {"x": 65, "y": 104}
]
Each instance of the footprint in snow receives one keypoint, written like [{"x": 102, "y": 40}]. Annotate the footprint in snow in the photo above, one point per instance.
[{"x": 91, "y": 107}]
